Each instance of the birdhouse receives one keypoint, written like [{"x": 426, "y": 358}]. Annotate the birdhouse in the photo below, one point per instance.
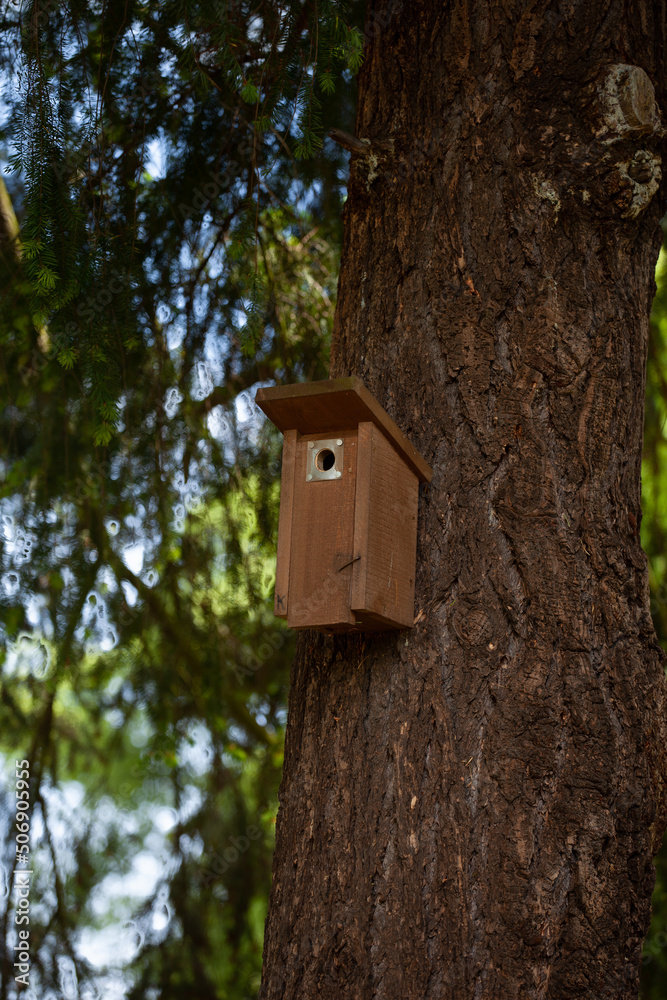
[{"x": 347, "y": 531}]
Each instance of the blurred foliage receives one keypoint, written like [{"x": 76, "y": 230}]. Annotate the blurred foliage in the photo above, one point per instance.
[
  {"x": 654, "y": 538},
  {"x": 231, "y": 92},
  {"x": 171, "y": 258}
]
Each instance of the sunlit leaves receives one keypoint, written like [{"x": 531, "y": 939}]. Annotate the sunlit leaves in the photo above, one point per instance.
[
  {"x": 67, "y": 357},
  {"x": 249, "y": 93},
  {"x": 654, "y": 467},
  {"x": 350, "y": 48},
  {"x": 654, "y": 542},
  {"x": 327, "y": 82}
]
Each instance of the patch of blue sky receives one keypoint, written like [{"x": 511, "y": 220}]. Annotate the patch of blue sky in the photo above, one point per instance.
[{"x": 157, "y": 158}]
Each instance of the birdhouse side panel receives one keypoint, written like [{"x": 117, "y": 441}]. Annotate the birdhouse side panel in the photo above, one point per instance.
[
  {"x": 285, "y": 516},
  {"x": 322, "y": 536},
  {"x": 383, "y": 583}
]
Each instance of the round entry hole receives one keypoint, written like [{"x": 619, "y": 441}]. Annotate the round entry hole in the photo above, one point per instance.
[{"x": 325, "y": 460}]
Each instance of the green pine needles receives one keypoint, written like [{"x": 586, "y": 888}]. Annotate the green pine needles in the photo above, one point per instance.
[{"x": 226, "y": 96}]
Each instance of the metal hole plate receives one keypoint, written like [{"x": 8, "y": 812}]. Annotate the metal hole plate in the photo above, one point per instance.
[{"x": 319, "y": 465}]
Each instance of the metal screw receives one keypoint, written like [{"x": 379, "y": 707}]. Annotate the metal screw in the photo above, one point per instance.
[
  {"x": 338, "y": 474},
  {"x": 339, "y": 441},
  {"x": 311, "y": 444},
  {"x": 308, "y": 477}
]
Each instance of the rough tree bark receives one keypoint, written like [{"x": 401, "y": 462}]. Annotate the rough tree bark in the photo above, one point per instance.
[{"x": 470, "y": 809}]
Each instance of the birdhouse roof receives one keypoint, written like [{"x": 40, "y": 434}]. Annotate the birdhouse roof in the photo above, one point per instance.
[{"x": 332, "y": 406}]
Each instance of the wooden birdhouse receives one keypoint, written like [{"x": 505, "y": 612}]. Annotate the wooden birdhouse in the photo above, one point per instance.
[{"x": 347, "y": 532}]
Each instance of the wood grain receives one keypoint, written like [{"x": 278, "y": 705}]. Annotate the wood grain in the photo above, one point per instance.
[
  {"x": 321, "y": 542},
  {"x": 385, "y": 533},
  {"x": 290, "y": 442},
  {"x": 362, "y": 510}
]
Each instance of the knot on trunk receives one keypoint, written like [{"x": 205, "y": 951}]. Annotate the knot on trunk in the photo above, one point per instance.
[
  {"x": 632, "y": 183},
  {"x": 627, "y": 105},
  {"x": 627, "y": 124},
  {"x": 370, "y": 157}
]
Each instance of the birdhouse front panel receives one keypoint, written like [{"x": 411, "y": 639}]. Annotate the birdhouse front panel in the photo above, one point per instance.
[
  {"x": 347, "y": 532},
  {"x": 322, "y": 531}
]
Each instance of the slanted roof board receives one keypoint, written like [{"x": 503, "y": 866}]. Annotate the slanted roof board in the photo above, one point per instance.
[{"x": 336, "y": 405}]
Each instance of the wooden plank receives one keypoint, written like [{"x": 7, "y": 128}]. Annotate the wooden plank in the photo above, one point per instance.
[
  {"x": 322, "y": 542},
  {"x": 332, "y": 406},
  {"x": 383, "y": 588},
  {"x": 362, "y": 511},
  {"x": 285, "y": 523}
]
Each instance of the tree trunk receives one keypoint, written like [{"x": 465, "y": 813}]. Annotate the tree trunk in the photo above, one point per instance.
[{"x": 470, "y": 809}]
